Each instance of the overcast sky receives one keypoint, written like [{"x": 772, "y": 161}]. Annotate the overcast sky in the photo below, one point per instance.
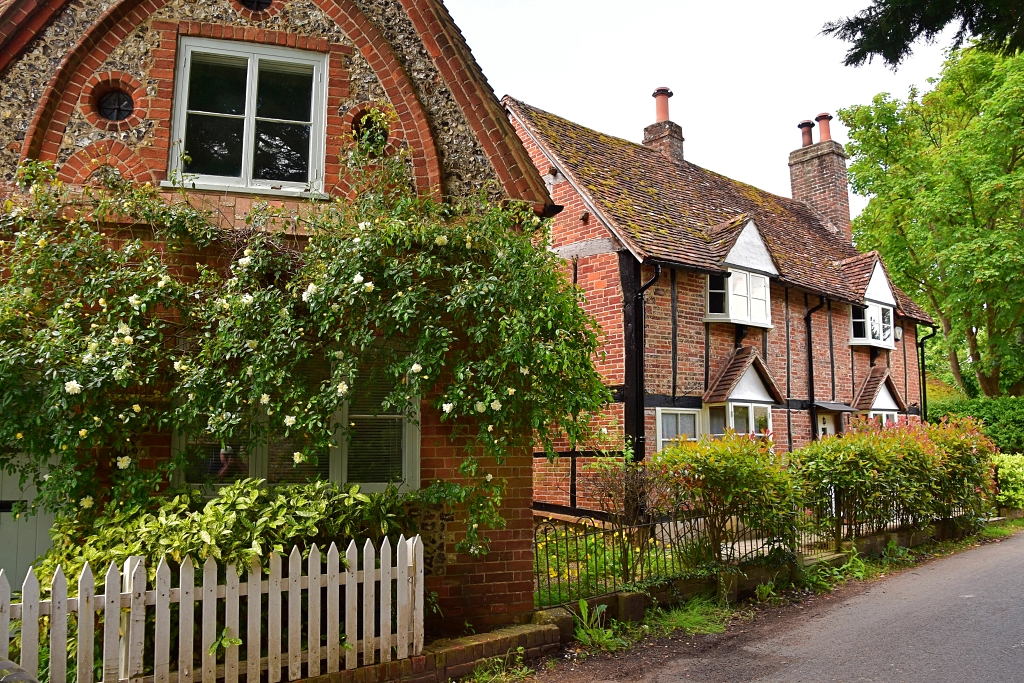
[{"x": 744, "y": 73}]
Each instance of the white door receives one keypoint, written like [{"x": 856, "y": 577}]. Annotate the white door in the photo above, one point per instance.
[
  {"x": 826, "y": 425},
  {"x": 21, "y": 540}
]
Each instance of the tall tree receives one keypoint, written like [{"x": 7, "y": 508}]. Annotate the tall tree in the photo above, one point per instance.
[
  {"x": 889, "y": 28},
  {"x": 945, "y": 173}
]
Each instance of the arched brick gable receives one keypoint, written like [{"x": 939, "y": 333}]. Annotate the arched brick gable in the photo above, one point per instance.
[
  {"x": 83, "y": 163},
  {"x": 65, "y": 89}
]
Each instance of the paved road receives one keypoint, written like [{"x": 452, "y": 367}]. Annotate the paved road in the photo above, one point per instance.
[{"x": 957, "y": 619}]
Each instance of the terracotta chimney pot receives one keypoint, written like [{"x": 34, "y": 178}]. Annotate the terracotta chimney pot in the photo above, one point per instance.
[
  {"x": 824, "y": 133},
  {"x": 805, "y": 130},
  {"x": 661, "y": 96}
]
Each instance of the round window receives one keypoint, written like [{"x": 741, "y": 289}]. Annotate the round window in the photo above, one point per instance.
[
  {"x": 256, "y": 5},
  {"x": 116, "y": 105}
]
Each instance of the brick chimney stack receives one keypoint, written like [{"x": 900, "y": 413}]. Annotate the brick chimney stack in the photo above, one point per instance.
[
  {"x": 817, "y": 173},
  {"x": 664, "y": 136}
]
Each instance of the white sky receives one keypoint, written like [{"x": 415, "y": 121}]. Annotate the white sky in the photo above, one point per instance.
[{"x": 744, "y": 73}]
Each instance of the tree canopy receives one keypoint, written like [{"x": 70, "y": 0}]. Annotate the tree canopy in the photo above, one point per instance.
[
  {"x": 945, "y": 174},
  {"x": 889, "y": 28}
]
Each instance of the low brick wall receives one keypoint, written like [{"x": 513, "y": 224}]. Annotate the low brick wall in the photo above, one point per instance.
[{"x": 448, "y": 659}]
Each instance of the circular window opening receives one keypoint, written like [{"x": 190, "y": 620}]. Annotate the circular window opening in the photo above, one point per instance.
[
  {"x": 256, "y": 5},
  {"x": 116, "y": 105}
]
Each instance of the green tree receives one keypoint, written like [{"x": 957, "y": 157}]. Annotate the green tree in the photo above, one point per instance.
[
  {"x": 122, "y": 313},
  {"x": 889, "y": 28},
  {"x": 946, "y": 180}
]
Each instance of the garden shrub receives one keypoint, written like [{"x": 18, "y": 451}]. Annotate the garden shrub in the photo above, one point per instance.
[
  {"x": 1002, "y": 418},
  {"x": 1010, "y": 480},
  {"x": 738, "y": 482}
]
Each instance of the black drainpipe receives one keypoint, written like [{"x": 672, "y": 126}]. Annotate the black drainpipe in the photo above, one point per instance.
[
  {"x": 810, "y": 367},
  {"x": 640, "y": 441},
  {"x": 924, "y": 373}
]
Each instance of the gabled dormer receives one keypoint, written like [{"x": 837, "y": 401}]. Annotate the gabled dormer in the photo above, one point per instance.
[
  {"x": 872, "y": 322},
  {"x": 741, "y": 293}
]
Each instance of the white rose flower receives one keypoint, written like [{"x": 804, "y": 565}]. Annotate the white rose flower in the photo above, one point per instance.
[
  {"x": 489, "y": 477},
  {"x": 134, "y": 300},
  {"x": 102, "y": 302},
  {"x": 364, "y": 225},
  {"x": 82, "y": 433},
  {"x": 73, "y": 387},
  {"x": 164, "y": 281},
  {"x": 129, "y": 340},
  {"x": 358, "y": 279},
  {"x": 357, "y": 240},
  {"x": 511, "y": 391},
  {"x": 342, "y": 389},
  {"x": 490, "y": 428},
  {"x": 495, "y": 404},
  {"x": 137, "y": 408},
  {"x": 368, "y": 287},
  {"x": 604, "y": 431},
  {"x": 448, "y": 407},
  {"x": 123, "y": 462},
  {"x": 480, "y": 406},
  {"x": 86, "y": 502},
  {"x": 244, "y": 262},
  {"x": 416, "y": 368},
  {"x": 289, "y": 420},
  {"x": 298, "y": 457},
  {"x": 123, "y": 329},
  {"x": 524, "y": 370},
  {"x": 264, "y": 399},
  {"x": 310, "y": 291},
  {"x": 441, "y": 240},
  {"x": 247, "y": 299},
  {"x": 247, "y": 252}
]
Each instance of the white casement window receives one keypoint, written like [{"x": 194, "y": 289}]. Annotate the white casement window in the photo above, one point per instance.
[
  {"x": 884, "y": 417},
  {"x": 674, "y": 424},
  {"x": 742, "y": 298},
  {"x": 249, "y": 116},
  {"x": 872, "y": 325},
  {"x": 377, "y": 448},
  {"x": 743, "y": 418}
]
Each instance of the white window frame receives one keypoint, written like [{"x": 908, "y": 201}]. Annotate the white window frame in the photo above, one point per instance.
[
  {"x": 738, "y": 299},
  {"x": 253, "y": 53},
  {"x": 697, "y": 420},
  {"x": 886, "y": 417},
  {"x": 874, "y": 318},
  {"x": 338, "y": 454},
  {"x": 730, "y": 414}
]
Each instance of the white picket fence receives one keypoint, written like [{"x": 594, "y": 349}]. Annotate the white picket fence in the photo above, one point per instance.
[{"x": 360, "y": 625}]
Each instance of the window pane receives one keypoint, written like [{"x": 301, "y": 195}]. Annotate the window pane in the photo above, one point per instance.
[
  {"x": 717, "y": 419},
  {"x": 218, "y": 83},
  {"x": 716, "y": 302},
  {"x": 741, "y": 419},
  {"x": 212, "y": 464},
  {"x": 876, "y": 332},
  {"x": 758, "y": 288},
  {"x": 761, "y": 422},
  {"x": 282, "y": 152},
  {"x": 367, "y": 397},
  {"x": 214, "y": 145},
  {"x": 886, "y": 324},
  {"x": 858, "y": 314},
  {"x": 285, "y": 91},
  {"x": 739, "y": 283},
  {"x": 716, "y": 283},
  {"x": 375, "y": 450},
  {"x": 669, "y": 426},
  {"x": 688, "y": 425},
  {"x": 281, "y": 467},
  {"x": 758, "y": 310}
]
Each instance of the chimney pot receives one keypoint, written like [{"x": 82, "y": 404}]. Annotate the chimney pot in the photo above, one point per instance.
[
  {"x": 805, "y": 131},
  {"x": 824, "y": 133},
  {"x": 661, "y": 96}
]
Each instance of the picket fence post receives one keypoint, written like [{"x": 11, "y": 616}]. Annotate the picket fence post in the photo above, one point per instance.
[{"x": 353, "y": 596}]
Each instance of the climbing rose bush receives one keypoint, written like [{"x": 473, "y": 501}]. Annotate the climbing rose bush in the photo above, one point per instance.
[{"x": 123, "y": 314}]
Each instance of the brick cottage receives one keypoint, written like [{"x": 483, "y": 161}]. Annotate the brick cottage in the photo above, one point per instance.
[
  {"x": 723, "y": 306},
  {"x": 133, "y": 83}
]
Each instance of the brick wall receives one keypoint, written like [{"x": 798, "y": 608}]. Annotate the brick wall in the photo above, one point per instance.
[{"x": 818, "y": 176}]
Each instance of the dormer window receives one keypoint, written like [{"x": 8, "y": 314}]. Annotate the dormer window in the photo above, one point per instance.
[
  {"x": 742, "y": 298},
  {"x": 249, "y": 117},
  {"x": 872, "y": 325}
]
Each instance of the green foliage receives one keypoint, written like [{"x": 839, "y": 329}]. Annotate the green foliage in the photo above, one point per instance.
[
  {"x": 918, "y": 473},
  {"x": 591, "y": 631},
  {"x": 890, "y": 28},
  {"x": 243, "y": 519},
  {"x": 1010, "y": 480},
  {"x": 946, "y": 182},
  {"x": 896, "y": 554},
  {"x": 1002, "y": 419},
  {"x": 737, "y": 481},
  {"x": 698, "y": 615},
  {"x": 508, "y": 669},
  {"x": 822, "y": 577},
  {"x": 123, "y": 313}
]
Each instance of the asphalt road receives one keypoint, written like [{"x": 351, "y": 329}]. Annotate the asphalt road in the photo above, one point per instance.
[{"x": 959, "y": 619}]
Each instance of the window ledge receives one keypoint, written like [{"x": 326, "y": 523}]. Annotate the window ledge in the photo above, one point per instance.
[
  {"x": 731, "y": 321},
  {"x": 868, "y": 342},
  {"x": 238, "y": 189}
]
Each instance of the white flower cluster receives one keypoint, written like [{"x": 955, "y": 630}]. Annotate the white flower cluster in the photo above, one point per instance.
[
  {"x": 310, "y": 291},
  {"x": 123, "y": 462},
  {"x": 73, "y": 387}
]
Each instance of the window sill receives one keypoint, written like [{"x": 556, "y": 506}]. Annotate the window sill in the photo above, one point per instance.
[
  {"x": 731, "y": 321},
  {"x": 876, "y": 344},
  {"x": 238, "y": 189}
]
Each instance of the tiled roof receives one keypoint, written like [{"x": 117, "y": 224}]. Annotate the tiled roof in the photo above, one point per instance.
[
  {"x": 685, "y": 215},
  {"x": 858, "y": 271},
  {"x": 722, "y": 386},
  {"x": 868, "y": 391}
]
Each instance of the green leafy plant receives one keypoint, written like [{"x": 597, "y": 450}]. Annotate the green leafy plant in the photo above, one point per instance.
[
  {"x": 223, "y": 642},
  {"x": 591, "y": 631},
  {"x": 1010, "y": 478},
  {"x": 1001, "y": 419},
  {"x": 897, "y": 555},
  {"x": 508, "y": 669},
  {"x": 765, "y": 592}
]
